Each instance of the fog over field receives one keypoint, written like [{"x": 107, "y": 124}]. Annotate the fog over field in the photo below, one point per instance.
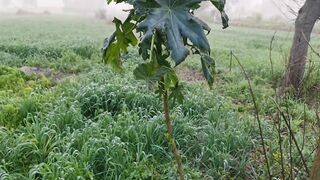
[{"x": 237, "y": 9}]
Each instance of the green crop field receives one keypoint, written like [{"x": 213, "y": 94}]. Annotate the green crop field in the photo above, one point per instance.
[{"x": 66, "y": 115}]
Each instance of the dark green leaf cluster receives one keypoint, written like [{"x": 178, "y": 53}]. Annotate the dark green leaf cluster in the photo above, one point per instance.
[{"x": 169, "y": 29}]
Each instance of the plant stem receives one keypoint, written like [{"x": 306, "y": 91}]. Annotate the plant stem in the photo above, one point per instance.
[
  {"x": 270, "y": 54},
  {"x": 230, "y": 65},
  {"x": 257, "y": 115},
  {"x": 166, "y": 108},
  {"x": 287, "y": 121},
  {"x": 290, "y": 149},
  {"x": 152, "y": 45},
  {"x": 280, "y": 146},
  {"x": 171, "y": 139}
]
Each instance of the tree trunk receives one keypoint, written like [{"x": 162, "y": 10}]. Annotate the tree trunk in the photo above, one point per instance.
[{"x": 307, "y": 17}]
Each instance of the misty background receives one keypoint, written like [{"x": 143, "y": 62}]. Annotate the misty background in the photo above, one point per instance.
[{"x": 236, "y": 9}]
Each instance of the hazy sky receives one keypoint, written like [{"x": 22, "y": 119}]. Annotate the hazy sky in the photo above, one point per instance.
[
  {"x": 236, "y": 8},
  {"x": 54, "y": 3}
]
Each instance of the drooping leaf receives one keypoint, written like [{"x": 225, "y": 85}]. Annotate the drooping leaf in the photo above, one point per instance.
[
  {"x": 177, "y": 94},
  {"x": 107, "y": 43},
  {"x": 208, "y": 68},
  {"x": 113, "y": 58},
  {"x": 118, "y": 43},
  {"x": 225, "y": 19},
  {"x": 220, "y": 4}
]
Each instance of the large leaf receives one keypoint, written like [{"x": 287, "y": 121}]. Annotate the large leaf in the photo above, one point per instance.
[
  {"x": 173, "y": 19},
  {"x": 118, "y": 42},
  {"x": 176, "y": 28}
]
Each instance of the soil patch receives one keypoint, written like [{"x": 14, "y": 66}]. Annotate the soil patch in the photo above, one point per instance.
[
  {"x": 190, "y": 75},
  {"x": 46, "y": 72}
]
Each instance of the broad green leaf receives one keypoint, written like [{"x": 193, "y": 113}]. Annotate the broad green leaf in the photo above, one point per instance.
[
  {"x": 170, "y": 80},
  {"x": 176, "y": 27},
  {"x": 112, "y": 57},
  {"x": 174, "y": 20},
  {"x": 150, "y": 72},
  {"x": 107, "y": 42},
  {"x": 118, "y": 43},
  {"x": 177, "y": 94}
]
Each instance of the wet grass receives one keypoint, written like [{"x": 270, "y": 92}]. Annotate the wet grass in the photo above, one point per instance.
[{"x": 101, "y": 125}]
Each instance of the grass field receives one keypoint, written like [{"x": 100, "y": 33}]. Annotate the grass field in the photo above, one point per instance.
[{"x": 77, "y": 119}]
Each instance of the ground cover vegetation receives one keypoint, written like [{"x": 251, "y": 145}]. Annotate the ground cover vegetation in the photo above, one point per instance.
[{"x": 84, "y": 121}]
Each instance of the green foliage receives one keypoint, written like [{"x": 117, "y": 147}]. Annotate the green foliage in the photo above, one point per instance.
[
  {"x": 15, "y": 90},
  {"x": 215, "y": 129},
  {"x": 168, "y": 24},
  {"x": 167, "y": 27},
  {"x": 130, "y": 143},
  {"x": 11, "y": 79},
  {"x": 95, "y": 100},
  {"x": 12, "y": 115},
  {"x": 124, "y": 36}
]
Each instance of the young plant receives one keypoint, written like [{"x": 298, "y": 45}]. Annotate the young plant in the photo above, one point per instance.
[{"x": 169, "y": 29}]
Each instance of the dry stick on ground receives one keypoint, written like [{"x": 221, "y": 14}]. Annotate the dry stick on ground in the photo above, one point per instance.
[
  {"x": 290, "y": 145},
  {"x": 280, "y": 147},
  {"x": 257, "y": 114},
  {"x": 278, "y": 115},
  {"x": 304, "y": 126},
  {"x": 293, "y": 138}
]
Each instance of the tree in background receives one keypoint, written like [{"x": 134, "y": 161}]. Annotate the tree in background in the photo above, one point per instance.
[{"x": 308, "y": 14}]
